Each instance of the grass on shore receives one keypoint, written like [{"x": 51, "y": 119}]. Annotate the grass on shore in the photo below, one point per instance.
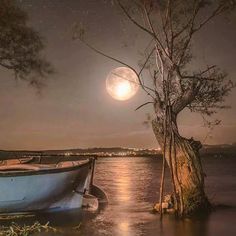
[{"x": 25, "y": 230}]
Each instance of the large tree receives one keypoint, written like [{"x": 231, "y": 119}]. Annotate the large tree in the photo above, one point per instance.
[
  {"x": 171, "y": 26},
  {"x": 21, "y": 46}
]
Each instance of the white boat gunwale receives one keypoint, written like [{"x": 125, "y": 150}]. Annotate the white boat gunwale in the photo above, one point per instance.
[{"x": 26, "y": 172}]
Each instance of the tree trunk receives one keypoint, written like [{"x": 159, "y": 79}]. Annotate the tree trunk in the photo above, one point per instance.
[{"x": 182, "y": 156}]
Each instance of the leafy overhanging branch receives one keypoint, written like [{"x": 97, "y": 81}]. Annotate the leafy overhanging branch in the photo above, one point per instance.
[{"x": 21, "y": 47}]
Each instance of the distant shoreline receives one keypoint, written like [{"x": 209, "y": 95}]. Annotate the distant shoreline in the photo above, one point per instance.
[{"x": 207, "y": 150}]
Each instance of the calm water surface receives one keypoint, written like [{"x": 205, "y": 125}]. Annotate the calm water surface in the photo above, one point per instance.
[{"x": 132, "y": 186}]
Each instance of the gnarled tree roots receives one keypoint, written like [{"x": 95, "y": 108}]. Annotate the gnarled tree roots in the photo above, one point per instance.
[{"x": 194, "y": 205}]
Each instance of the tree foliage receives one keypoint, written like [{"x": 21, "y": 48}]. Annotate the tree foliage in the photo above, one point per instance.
[
  {"x": 172, "y": 26},
  {"x": 21, "y": 46}
]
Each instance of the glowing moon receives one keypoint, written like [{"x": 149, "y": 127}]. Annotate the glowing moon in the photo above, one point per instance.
[{"x": 122, "y": 83}]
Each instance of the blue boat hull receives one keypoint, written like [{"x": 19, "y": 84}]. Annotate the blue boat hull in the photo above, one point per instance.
[{"x": 43, "y": 189}]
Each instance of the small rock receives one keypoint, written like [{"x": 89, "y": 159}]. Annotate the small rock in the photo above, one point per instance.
[
  {"x": 165, "y": 205},
  {"x": 170, "y": 210}
]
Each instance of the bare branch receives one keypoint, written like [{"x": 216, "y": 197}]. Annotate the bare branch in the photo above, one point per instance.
[
  {"x": 207, "y": 70},
  {"x": 144, "y": 104},
  {"x": 190, "y": 34},
  {"x": 146, "y": 61},
  {"x": 216, "y": 12},
  {"x": 167, "y": 13},
  {"x": 133, "y": 20},
  {"x": 122, "y": 63},
  {"x": 108, "y": 56},
  {"x": 151, "y": 33}
]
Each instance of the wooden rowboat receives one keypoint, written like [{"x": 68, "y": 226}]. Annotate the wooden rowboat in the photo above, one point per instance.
[{"x": 37, "y": 187}]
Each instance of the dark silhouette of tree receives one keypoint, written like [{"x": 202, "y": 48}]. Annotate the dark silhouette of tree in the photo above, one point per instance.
[
  {"x": 171, "y": 26},
  {"x": 21, "y": 46}
]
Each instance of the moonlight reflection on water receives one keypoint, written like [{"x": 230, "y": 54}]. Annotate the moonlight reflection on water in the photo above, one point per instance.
[{"x": 132, "y": 186}]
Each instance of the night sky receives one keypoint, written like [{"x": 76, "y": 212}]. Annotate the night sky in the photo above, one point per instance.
[{"x": 74, "y": 109}]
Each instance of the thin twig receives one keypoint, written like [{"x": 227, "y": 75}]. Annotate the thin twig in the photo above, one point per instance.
[
  {"x": 144, "y": 104},
  {"x": 145, "y": 63}
]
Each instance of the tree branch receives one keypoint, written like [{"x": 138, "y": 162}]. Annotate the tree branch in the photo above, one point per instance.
[
  {"x": 144, "y": 104},
  {"x": 122, "y": 63},
  {"x": 197, "y": 76},
  {"x": 133, "y": 20},
  {"x": 190, "y": 34},
  {"x": 145, "y": 63},
  {"x": 7, "y": 66},
  {"x": 216, "y": 12},
  {"x": 187, "y": 97},
  {"x": 142, "y": 27}
]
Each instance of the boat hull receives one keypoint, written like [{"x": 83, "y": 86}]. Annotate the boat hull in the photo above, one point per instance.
[{"x": 43, "y": 190}]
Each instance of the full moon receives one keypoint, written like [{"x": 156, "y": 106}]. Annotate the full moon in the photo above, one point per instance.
[{"x": 122, "y": 83}]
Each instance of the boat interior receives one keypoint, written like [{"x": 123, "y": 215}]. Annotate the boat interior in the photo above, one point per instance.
[{"x": 35, "y": 167}]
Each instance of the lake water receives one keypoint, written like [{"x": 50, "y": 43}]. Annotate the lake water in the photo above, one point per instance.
[{"x": 132, "y": 186}]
